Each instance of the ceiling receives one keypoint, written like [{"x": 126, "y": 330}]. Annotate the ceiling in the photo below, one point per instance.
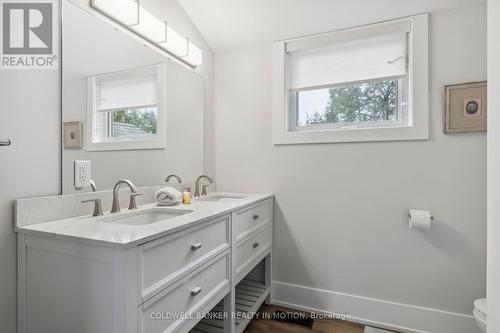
[
  {"x": 87, "y": 49},
  {"x": 231, "y": 24}
]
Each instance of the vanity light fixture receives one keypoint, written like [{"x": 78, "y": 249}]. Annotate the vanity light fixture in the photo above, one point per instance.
[{"x": 131, "y": 15}]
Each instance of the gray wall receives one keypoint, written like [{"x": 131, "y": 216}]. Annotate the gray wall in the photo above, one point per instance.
[
  {"x": 493, "y": 167},
  {"x": 341, "y": 220},
  {"x": 29, "y": 116}
]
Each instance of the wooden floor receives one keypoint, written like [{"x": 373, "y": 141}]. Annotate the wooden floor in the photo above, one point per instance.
[{"x": 262, "y": 325}]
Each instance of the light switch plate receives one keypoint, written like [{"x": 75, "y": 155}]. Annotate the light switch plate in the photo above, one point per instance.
[{"x": 83, "y": 173}]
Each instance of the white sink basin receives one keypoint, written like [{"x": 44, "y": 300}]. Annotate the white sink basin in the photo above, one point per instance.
[
  {"x": 145, "y": 217},
  {"x": 220, "y": 198}
]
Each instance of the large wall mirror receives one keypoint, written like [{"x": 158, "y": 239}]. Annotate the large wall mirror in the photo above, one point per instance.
[{"x": 126, "y": 107}]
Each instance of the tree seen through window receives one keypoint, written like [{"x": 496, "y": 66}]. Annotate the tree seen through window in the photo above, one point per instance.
[{"x": 365, "y": 102}]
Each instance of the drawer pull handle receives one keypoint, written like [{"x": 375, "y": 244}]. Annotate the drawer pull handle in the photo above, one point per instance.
[
  {"x": 5, "y": 142},
  {"x": 196, "y": 246},
  {"x": 195, "y": 291},
  {"x": 255, "y": 245},
  {"x": 256, "y": 217}
]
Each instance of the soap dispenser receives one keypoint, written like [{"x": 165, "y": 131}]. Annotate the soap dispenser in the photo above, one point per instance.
[{"x": 186, "y": 196}]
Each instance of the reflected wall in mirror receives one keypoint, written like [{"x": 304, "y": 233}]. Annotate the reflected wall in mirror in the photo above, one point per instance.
[{"x": 142, "y": 113}]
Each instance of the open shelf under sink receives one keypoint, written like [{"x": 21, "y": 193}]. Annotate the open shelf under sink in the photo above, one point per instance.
[{"x": 249, "y": 297}]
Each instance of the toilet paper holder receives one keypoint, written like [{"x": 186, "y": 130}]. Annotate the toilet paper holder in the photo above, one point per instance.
[{"x": 432, "y": 217}]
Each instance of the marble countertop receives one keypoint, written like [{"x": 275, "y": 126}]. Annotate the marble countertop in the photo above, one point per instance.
[{"x": 99, "y": 231}]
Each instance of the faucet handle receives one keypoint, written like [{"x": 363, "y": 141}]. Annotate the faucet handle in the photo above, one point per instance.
[
  {"x": 133, "y": 203},
  {"x": 97, "y": 206}
]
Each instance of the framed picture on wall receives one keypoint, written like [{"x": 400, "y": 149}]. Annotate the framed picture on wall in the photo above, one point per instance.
[
  {"x": 465, "y": 107},
  {"x": 72, "y": 135}
]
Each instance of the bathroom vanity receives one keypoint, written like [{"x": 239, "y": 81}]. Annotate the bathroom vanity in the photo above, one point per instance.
[
  {"x": 151, "y": 269},
  {"x": 154, "y": 269}
]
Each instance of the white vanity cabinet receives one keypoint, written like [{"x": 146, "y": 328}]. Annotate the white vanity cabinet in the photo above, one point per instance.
[{"x": 165, "y": 284}]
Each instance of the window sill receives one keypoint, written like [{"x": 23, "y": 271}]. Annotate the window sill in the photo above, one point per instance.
[
  {"x": 126, "y": 145},
  {"x": 351, "y": 135}
]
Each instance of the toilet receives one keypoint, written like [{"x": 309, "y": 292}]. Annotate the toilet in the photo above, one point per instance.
[{"x": 480, "y": 313}]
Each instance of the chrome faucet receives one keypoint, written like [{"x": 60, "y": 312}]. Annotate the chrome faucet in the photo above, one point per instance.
[
  {"x": 179, "y": 180},
  {"x": 197, "y": 185},
  {"x": 116, "y": 202}
]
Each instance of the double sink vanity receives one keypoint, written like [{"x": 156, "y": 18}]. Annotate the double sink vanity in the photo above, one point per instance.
[
  {"x": 202, "y": 267},
  {"x": 130, "y": 110}
]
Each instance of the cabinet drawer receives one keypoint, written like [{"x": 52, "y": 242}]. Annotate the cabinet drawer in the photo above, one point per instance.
[
  {"x": 251, "y": 251},
  {"x": 251, "y": 218},
  {"x": 167, "y": 259},
  {"x": 180, "y": 305}
]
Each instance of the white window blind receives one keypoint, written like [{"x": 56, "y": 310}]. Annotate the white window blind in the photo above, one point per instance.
[
  {"x": 348, "y": 56},
  {"x": 127, "y": 93}
]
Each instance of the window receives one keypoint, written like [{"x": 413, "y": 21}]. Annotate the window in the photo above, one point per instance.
[
  {"x": 362, "y": 84},
  {"x": 126, "y": 110},
  {"x": 378, "y": 103}
]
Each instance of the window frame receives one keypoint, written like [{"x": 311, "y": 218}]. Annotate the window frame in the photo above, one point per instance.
[
  {"x": 156, "y": 141},
  {"x": 416, "y": 127}
]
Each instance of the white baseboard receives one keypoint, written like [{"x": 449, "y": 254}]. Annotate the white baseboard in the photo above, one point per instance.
[
  {"x": 373, "y": 312},
  {"x": 369, "y": 329}
]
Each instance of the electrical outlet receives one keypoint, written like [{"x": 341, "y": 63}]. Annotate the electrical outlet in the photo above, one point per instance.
[{"x": 83, "y": 173}]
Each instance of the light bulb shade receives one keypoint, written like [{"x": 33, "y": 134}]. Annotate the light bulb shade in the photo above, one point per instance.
[
  {"x": 195, "y": 55},
  {"x": 123, "y": 11},
  {"x": 176, "y": 43},
  {"x": 150, "y": 27}
]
